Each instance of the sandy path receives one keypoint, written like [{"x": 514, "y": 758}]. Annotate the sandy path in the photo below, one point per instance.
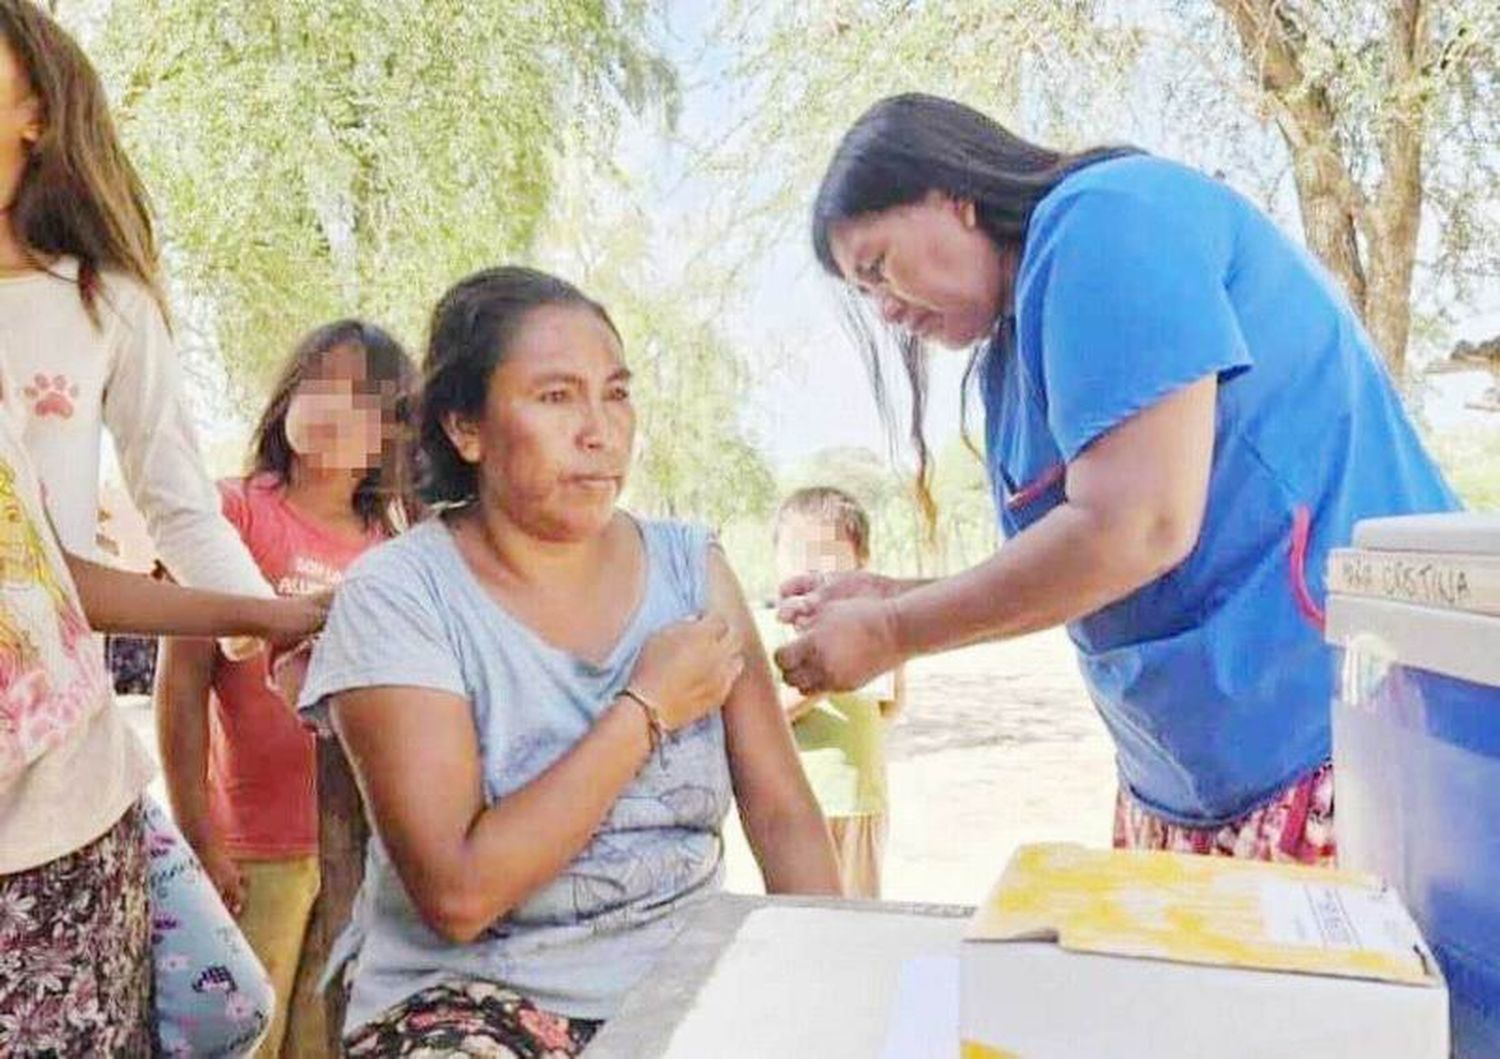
[{"x": 998, "y": 746}]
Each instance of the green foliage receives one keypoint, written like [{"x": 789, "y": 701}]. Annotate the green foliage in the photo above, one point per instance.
[
  {"x": 1471, "y": 459},
  {"x": 694, "y": 459},
  {"x": 1449, "y": 93},
  {"x": 312, "y": 159},
  {"x": 817, "y": 64},
  {"x": 968, "y": 530},
  {"x": 1171, "y": 75},
  {"x": 316, "y": 159}
]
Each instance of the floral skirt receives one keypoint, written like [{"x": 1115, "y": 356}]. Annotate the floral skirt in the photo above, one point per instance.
[
  {"x": 1295, "y": 826},
  {"x": 469, "y": 1017},
  {"x": 75, "y": 951}
]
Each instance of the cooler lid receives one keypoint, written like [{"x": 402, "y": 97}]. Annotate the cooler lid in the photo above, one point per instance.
[
  {"x": 1454, "y": 643},
  {"x": 1451, "y": 533}
]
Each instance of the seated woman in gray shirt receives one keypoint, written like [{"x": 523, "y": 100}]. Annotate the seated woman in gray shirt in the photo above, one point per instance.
[{"x": 548, "y": 703}]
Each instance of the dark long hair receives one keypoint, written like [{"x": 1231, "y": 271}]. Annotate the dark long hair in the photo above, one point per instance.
[
  {"x": 472, "y": 328},
  {"x": 79, "y": 196},
  {"x": 900, "y": 150},
  {"x": 384, "y": 497}
]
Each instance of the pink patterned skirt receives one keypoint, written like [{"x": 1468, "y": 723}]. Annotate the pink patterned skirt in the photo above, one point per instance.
[{"x": 1295, "y": 826}]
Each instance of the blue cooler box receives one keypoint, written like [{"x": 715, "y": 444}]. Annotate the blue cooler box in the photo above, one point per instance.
[{"x": 1416, "y": 740}]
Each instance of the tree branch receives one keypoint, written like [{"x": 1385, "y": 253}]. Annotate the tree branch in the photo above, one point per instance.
[
  {"x": 1398, "y": 198},
  {"x": 1334, "y": 207}
]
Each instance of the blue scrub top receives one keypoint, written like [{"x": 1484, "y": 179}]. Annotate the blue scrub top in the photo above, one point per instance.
[{"x": 1138, "y": 277}]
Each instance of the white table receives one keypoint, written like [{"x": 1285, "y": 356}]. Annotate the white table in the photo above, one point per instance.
[{"x": 761, "y": 977}]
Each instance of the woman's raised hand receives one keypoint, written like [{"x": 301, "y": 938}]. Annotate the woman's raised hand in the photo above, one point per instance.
[{"x": 687, "y": 669}]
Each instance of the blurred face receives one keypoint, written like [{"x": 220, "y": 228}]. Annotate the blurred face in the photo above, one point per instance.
[
  {"x": 558, "y": 426},
  {"x": 20, "y": 124},
  {"x": 338, "y": 419},
  {"x": 927, "y": 267},
  {"x": 806, "y": 544}
]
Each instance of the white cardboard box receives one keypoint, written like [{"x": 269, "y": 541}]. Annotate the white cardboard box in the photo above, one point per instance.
[{"x": 1119, "y": 955}]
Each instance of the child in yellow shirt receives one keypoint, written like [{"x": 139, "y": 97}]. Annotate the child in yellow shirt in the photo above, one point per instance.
[{"x": 840, "y": 737}]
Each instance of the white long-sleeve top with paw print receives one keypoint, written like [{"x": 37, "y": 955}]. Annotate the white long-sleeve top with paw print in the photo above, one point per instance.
[{"x": 66, "y": 378}]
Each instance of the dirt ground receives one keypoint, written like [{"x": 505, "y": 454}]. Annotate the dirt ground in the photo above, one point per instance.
[{"x": 998, "y": 746}]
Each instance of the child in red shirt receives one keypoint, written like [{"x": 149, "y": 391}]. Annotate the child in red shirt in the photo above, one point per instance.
[{"x": 325, "y": 485}]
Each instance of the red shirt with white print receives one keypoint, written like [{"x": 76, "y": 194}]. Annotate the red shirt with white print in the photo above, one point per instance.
[{"x": 262, "y": 762}]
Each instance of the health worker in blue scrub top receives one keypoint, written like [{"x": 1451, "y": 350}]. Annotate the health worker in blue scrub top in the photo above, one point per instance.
[{"x": 1182, "y": 417}]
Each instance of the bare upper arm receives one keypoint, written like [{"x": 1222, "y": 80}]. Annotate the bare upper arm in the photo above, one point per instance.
[
  {"x": 1154, "y": 468},
  {"x": 415, "y": 754},
  {"x": 761, "y": 751},
  {"x": 727, "y": 600}
]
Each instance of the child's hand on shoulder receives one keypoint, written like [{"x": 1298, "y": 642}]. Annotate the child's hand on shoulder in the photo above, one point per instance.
[{"x": 289, "y": 620}]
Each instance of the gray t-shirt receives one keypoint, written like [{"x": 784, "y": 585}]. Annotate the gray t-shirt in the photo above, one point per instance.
[{"x": 410, "y": 613}]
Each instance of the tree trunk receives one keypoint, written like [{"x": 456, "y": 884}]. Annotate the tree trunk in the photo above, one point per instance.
[
  {"x": 1329, "y": 200},
  {"x": 1369, "y": 245},
  {"x": 1327, "y": 222},
  {"x": 1398, "y": 203}
]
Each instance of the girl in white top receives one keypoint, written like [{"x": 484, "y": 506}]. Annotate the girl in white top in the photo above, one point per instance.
[
  {"x": 84, "y": 343},
  {"x": 75, "y": 924},
  {"x": 76, "y": 369}
]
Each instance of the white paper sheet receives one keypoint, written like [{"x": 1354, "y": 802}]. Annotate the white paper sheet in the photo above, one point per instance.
[
  {"x": 799, "y": 983},
  {"x": 924, "y": 1011}
]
